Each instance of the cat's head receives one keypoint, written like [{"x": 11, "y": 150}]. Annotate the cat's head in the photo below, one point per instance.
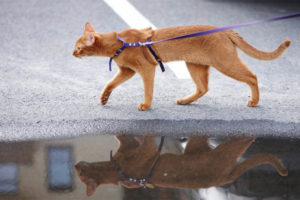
[
  {"x": 86, "y": 45},
  {"x": 84, "y": 172}
]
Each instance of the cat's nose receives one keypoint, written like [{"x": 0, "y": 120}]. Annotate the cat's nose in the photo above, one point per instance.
[
  {"x": 75, "y": 53},
  {"x": 77, "y": 166}
]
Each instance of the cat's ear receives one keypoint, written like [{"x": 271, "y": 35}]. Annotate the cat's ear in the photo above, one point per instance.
[
  {"x": 91, "y": 187},
  {"x": 88, "y": 27},
  {"x": 89, "y": 38}
]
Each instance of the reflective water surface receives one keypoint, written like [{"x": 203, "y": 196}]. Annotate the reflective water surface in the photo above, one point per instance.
[{"x": 187, "y": 168}]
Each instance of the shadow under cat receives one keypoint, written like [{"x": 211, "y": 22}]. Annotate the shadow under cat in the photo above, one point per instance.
[{"x": 198, "y": 166}]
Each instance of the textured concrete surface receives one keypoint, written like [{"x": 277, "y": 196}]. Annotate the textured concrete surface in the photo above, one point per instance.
[{"x": 45, "y": 92}]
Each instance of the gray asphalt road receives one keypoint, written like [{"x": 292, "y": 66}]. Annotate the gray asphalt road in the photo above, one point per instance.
[{"x": 45, "y": 92}]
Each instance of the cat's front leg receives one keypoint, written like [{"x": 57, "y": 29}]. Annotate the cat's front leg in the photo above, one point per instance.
[
  {"x": 123, "y": 75},
  {"x": 147, "y": 75},
  {"x": 104, "y": 96}
]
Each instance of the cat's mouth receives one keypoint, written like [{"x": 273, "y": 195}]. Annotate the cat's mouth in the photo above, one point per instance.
[{"x": 76, "y": 54}]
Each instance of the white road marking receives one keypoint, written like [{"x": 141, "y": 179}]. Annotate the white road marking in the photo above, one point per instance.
[{"x": 135, "y": 19}]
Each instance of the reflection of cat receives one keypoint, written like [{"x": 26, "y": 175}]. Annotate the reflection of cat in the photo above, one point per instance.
[
  {"x": 199, "y": 53},
  {"x": 198, "y": 166}
]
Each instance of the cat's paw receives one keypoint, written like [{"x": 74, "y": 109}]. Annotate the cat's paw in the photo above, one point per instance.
[
  {"x": 252, "y": 103},
  {"x": 181, "y": 102},
  {"x": 104, "y": 97},
  {"x": 143, "y": 106},
  {"x": 284, "y": 172}
]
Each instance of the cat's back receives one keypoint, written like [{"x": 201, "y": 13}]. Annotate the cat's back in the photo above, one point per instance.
[
  {"x": 183, "y": 160},
  {"x": 137, "y": 35},
  {"x": 164, "y": 33}
]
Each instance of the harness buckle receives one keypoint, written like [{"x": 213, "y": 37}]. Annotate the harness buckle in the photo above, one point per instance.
[{"x": 142, "y": 44}]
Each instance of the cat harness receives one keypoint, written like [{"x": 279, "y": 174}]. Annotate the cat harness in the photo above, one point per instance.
[
  {"x": 137, "y": 44},
  {"x": 141, "y": 181}
]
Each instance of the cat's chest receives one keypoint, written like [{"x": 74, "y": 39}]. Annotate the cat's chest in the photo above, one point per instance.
[{"x": 127, "y": 61}]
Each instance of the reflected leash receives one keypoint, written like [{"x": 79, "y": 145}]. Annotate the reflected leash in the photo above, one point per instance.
[
  {"x": 148, "y": 43},
  {"x": 141, "y": 181}
]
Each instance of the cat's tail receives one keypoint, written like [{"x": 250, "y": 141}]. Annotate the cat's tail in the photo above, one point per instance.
[
  {"x": 255, "y": 161},
  {"x": 255, "y": 53}
]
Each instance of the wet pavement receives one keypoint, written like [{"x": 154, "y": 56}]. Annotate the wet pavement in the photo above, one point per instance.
[{"x": 45, "y": 169}]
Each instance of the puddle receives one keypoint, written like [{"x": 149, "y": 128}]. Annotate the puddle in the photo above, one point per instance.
[{"x": 185, "y": 169}]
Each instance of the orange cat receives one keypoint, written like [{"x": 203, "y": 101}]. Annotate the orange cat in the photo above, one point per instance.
[
  {"x": 199, "y": 53},
  {"x": 198, "y": 166}
]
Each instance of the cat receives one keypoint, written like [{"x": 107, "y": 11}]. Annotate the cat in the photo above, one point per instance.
[
  {"x": 199, "y": 166},
  {"x": 199, "y": 53}
]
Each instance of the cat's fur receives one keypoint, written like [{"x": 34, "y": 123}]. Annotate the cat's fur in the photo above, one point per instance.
[
  {"x": 198, "y": 166},
  {"x": 199, "y": 53}
]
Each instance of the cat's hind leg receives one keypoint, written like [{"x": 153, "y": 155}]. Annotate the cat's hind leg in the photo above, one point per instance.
[
  {"x": 233, "y": 148},
  {"x": 197, "y": 144},
  {"x": 123, "y": 75},
  {"x": 238, "y": 70},
  {"x": 200, "y": 76}
]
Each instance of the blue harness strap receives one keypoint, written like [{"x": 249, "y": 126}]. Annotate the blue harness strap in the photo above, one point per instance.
[
  {"x": 155, "y": 56},
  {"x": 117, "y": 53},
  {"x": 148, "y": 43},
  {"x": 136, "y": 44}
]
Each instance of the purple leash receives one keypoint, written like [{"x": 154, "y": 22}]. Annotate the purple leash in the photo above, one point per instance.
[{"x": 148, "y": 43}]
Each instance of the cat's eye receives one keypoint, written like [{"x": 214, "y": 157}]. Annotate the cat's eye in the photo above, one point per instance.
[
  {"x": 80, "y": 174},
  {"x": 78, "y": 48}
]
